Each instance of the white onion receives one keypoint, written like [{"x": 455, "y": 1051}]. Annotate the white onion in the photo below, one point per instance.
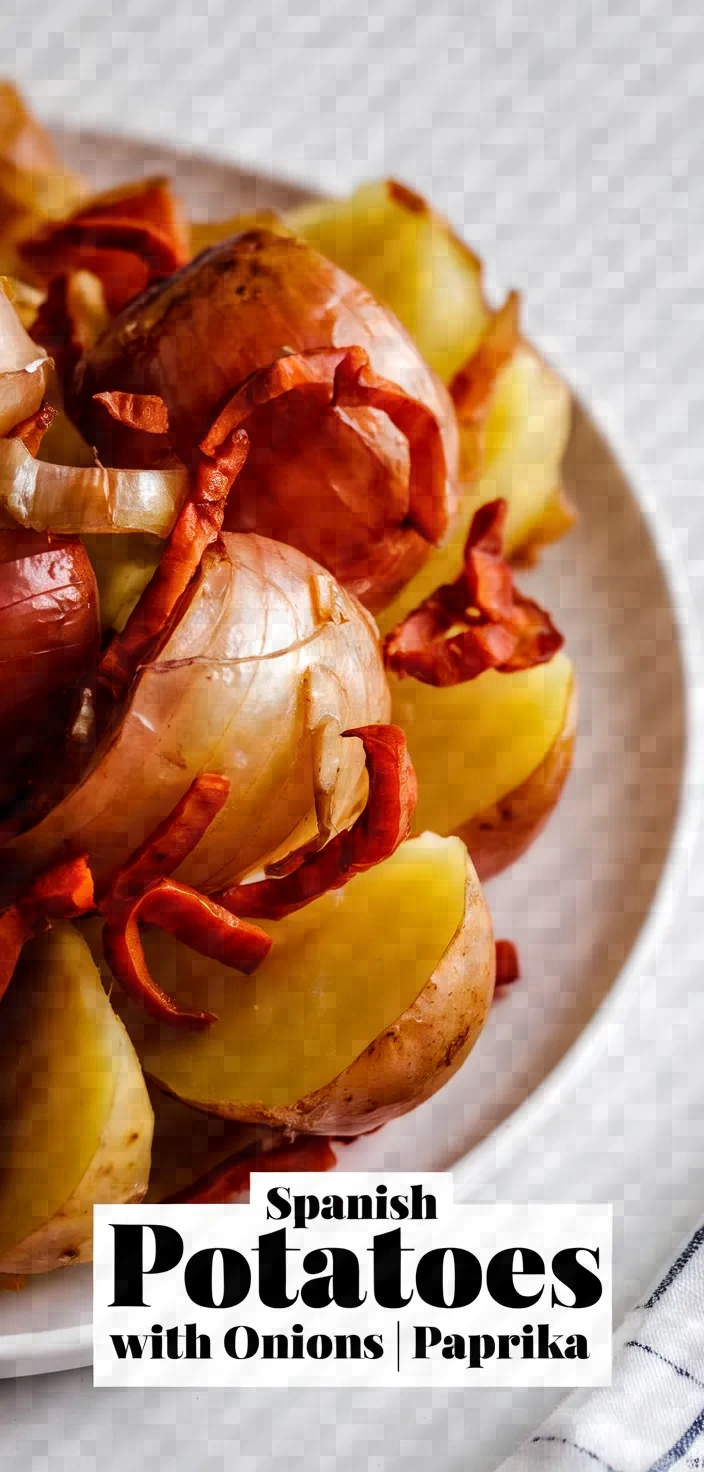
[
  {"x": 270, "y": 662},
  {"x": 23, "y": 369},
  {"x": 75, "y": 500}
]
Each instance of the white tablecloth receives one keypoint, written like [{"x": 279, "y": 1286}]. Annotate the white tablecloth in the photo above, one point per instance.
[{"x": 566, "y": 142}]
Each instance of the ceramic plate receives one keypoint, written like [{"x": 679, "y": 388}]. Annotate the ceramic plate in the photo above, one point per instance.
[{"x": 579, "y": 901}]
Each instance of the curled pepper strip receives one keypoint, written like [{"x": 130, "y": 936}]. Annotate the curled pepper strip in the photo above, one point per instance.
[
  {"x": 64, "y": 892},
  {"x": 127, "y": 239},
  {"x": 342, "y": 378},
  {"x": 477, "y": 623},
  {"x": 508, "y": 967},
  {"x": 145, "y": 412},
  {"x": 472, "y": 388},
  {"x": 232, "y": 1177},
  {"x": 197, "y": 526},
  {"x": 31, "y": 431},
  {"x": 376, "y": 834},
  {"x": 140, "y": 892}
]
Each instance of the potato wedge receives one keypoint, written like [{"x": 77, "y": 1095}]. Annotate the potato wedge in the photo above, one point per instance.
[
  {"x": 491, "y": 756},
  {"x": 401, "y": 250},
  {"x": 370, "y": 999},
  {"x": 75, "y": 1117},
  {"x": 392, "y": 241}
]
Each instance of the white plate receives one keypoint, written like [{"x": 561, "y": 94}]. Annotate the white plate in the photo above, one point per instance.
[{"x": 577, "y": 904}]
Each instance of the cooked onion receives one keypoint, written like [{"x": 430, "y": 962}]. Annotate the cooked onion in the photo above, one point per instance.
[
  {"x": 48, "y": 636},
  {"x": 72, "y": 500},
  {"x": 336, "y": 480},
  {"x": 23, "y": 369},
  {"x": 270, "y": 662}
]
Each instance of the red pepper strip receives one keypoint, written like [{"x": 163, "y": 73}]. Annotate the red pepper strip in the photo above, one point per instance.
[
  {"x": 508, "y": 967},
  {"x": 204, "y": 925},
  {"x": 31, "y": 431},
  {"x": 138, "y": 892},
  {"x": 377, "y": 833},
  {"x": 174, "y": 839},
  {"x": 15, "y": 930},
  {"x": 62, "y": 892},
  {"x": 473, "y": 384},
  {"x": 197, "y": 525},
  {"x": 146, "y": 412},
  {"x": 479, "y": 622},
  {"x": 343, "y": 378},
  {"x": 232, "y": 1177},
  {"x": 150, "y": 202}
]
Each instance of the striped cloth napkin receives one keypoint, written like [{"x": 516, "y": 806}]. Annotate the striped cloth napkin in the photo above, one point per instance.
[{"x": 652, "y": 1417}]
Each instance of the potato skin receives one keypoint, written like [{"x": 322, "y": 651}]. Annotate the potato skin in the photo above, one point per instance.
[
  {"x": 502, "y": 833},
  {"x": 119, "y": 1171},
  {"x": 413, "y": 1057}
]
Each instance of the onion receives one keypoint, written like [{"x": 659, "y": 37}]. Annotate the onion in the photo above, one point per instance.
[
  {"x": 48, "y": 636},
  {"x": 270, "y": 662},
  {"x": 332, "y": 479},
  {"x": 72, "y": 500},
  {"x": 23, "y": 370}
]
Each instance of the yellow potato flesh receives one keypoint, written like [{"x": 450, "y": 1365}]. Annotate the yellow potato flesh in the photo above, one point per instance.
[
  {"x": 57, "y": 1044},
  {"x": 525, "y": 438},
  {"x": 340, "y": 971},
  {"x": 472, "y": 744},
  {"x": 409, "y": 259},
  {"x": 524, "y": 441}
]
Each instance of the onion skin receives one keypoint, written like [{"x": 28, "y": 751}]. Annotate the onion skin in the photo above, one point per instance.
[
  {"x": 48, "y": 635},
  {"x": 268, "y": 664},
  {"x": 194, "y": 340}
]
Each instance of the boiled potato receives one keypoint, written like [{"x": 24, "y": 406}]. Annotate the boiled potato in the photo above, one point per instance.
[
  {"x": 391, "y": 240},
  {"x": 370, "y": 999},
  {"x": 75, "y": 1117},
  {"x": 395, "y": 244},
  {"x": 524, "y": 439},
  {"x": 491, "y": 756}
]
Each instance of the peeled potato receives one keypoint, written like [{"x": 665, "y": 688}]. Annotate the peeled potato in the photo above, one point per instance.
[
  {"x": 525, "y": 438},
  {"x": 392, "y": 241},
  {"x": 491, "y": 756},
  {"x": 407, "y": 255},
  {"x": 75, "y": 1117},
  {"x": 370, "y": 999}
]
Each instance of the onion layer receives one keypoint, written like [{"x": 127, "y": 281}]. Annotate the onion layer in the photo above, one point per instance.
[
  {"x": 23, "y": 370},
  {"x": 333, "y": 478},
  {"x": 270, "y": 661},
  {"x": 48, "y": 636},
  {"x": 72, "y": 500}
]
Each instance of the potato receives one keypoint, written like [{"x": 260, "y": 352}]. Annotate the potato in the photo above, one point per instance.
[
  {"x": 491, "y": 756},
  {"x": 525, "y": 438},
  {"x": 395, "y": 244},
  {"x": 370, "y": 999},
  {"x": 392, "y": 241},
  {"x": 75, "y": 1117}
]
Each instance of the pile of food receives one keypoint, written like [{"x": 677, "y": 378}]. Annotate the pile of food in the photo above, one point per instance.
[{"x": 272, "y": 704}]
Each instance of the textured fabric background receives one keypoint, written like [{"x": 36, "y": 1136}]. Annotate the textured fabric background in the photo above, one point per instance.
[{"x": 566, "y": 141}]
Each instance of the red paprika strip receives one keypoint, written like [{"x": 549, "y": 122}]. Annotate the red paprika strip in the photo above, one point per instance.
[
  {"x": 377, "y": 833},
  {"x": 343, "y": 378},
  {"x": 477, "y": 623},
  {"x": 128, "y": 239},
  {"x": 62, "y": 892},
  {"x": 197, "y": 526},
  {"x": 174, "y": 839},
  {"x": 473, "y": 384},
  {"x": 232, "y": 1177},
  {"x": 31, "y": 431},
  {"x": 139, "y": 892},
  {"x": 146, "y": 412},
  {"x": 508, "y": 967}
]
